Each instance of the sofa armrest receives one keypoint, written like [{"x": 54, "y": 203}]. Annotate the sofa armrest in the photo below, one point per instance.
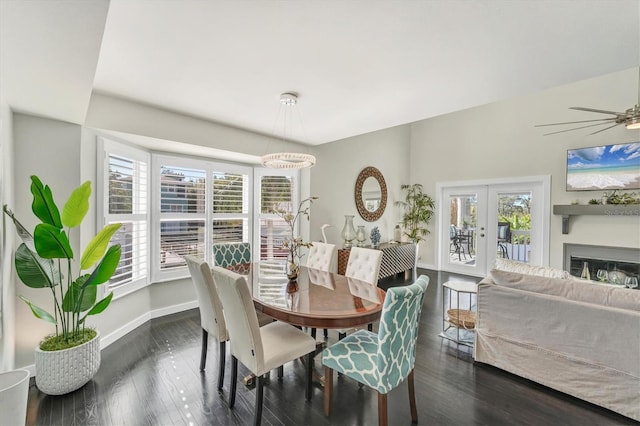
[{"x": 604, "y": 335}]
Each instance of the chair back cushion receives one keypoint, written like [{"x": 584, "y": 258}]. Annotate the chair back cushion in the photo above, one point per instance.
[
  {"x": 230, "y": 254},
  {"x": 398, "y": 332},
  {"x": 211, "y": 316},
  {"x": 364, "y": 264},
  {"x": 321, "y": 256},
  {"x": 241, "y": 317}
]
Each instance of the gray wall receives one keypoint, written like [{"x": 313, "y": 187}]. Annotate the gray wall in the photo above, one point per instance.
[{"x": 492, "y": 141}]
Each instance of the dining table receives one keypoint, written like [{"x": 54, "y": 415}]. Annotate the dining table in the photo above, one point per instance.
[{"x": 322, "y": 299}]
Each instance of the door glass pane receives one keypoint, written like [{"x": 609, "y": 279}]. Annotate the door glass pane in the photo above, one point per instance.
[
  {"x": 514, "y": 226},
  {"x": 462, "y": 229}
]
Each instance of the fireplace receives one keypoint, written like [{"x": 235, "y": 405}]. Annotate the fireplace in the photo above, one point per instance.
[{"x": 622, "y": 260}]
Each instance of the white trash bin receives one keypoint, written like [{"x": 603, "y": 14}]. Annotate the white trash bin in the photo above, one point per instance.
[{"x": 14, "y": 391}]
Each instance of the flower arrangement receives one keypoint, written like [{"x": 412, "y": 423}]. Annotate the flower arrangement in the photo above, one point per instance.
[
  {"x": 294, "y": 243},
  {"x": 375, "y": 236}
]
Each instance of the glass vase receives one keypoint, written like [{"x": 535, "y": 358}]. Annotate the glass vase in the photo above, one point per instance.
[
  {"x": 361, "y": 236},
  {"x": 348, "y": 231}
]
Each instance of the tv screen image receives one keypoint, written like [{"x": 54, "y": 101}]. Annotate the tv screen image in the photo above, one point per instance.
[{"x": 604, "y": 167}]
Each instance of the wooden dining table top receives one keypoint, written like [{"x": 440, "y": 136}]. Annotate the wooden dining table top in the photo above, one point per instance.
[{"x": 322, "y": 300}]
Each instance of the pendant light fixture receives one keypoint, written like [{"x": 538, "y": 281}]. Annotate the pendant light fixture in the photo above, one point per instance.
[{"x": 288, "y": 160}]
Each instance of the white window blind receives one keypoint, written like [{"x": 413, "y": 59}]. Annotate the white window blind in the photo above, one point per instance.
[
  {"x": 125, "y": 185},
  {"x": 230, "y": 207},
  {"x": 276, "y": 192},
  {"x": 182, "y": 214}
]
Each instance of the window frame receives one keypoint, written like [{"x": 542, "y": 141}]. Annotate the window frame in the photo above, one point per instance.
[
  {"x": 105, "y": 148},
  {"x": 209, "y": 167}
]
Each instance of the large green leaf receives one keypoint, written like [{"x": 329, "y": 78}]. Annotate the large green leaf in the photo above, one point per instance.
[
  {"x": 52, "y": 242},
  {"x": 76, "y": 206},
  {"x": 43, "y": 205},
  {"x": 34, "y": 271},
  {"x": 39, "y": 312},
  {"x": 24, "y": 235},
  {"x": 101, "y": 305},
  {"x": 98, "y": 245},
  {"x": 106, "y": 267},
  {"x": 78, "y": 293}
]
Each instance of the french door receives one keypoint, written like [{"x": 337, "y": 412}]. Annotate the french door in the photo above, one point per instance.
[{"x": 501, "y": 218}]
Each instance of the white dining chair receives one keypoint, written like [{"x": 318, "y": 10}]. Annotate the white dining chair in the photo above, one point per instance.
[
  {"x": 260, "y": 349},
  {"x": 364, "y": 264},
  {"x": 322, "y": 256},
  {"x": 211, "y": 316}
]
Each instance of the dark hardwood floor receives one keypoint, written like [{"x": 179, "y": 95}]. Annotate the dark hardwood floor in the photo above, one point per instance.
[{"x": 151, "y": 377}]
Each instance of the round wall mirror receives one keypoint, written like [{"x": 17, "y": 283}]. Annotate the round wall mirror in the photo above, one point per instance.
[{"x": 371, "y": 194}]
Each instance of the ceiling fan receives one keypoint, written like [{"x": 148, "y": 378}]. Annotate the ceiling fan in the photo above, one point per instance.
[{"x": 630, "y": 118}]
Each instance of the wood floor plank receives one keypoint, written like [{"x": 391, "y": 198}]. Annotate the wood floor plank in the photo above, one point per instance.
[{"x": 151, "y": 376}]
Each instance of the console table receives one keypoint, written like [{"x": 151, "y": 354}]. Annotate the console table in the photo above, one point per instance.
[{"x": 396, "y": 258}]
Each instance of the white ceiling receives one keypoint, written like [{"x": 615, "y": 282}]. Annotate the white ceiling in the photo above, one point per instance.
[{"x": 358, "y": 66}]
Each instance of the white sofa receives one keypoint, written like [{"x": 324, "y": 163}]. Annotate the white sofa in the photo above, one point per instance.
[{"x": 578, "y": 337}]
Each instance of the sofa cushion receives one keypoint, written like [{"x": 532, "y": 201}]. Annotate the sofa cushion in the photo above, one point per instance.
[
  {"x": 525, "y": 268},
  {"x": 585, "y": 291}
]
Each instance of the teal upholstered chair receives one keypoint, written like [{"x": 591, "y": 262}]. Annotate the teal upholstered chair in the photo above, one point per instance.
[
  {"x": 231, "y": 254},
  {"x": 381, "y": 361}
]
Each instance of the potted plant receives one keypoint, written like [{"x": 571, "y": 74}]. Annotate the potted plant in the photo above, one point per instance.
[
  {"x": 68, "y": 359},
  {"x": 294, "y": 243},
  {"x": 418, "y": 211}
]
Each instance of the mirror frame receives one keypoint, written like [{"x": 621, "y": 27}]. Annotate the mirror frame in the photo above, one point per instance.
[{"x": 368, "y": 172}]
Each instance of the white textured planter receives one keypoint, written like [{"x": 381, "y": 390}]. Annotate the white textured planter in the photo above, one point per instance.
[
  {"x": 60, "y": 372},
  {"x": 14, "y": 392}
]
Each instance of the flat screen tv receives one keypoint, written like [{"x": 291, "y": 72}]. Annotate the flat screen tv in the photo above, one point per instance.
[{"x": 604, "y": 167}]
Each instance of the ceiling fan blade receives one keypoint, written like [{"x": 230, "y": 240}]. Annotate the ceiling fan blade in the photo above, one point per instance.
[
  {"x": 606, "y": 128},
  {"x": 602, "y": 111},
  {"x": 576, "y": 122},
  {"x": 576, "y": 128}
]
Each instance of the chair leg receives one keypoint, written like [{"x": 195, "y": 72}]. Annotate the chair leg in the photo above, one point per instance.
[
  {"x": 412, "y": 399},
  {"x": 280, "y": 371},
  {"x": 257, "y": 414},
  {"x": 328, "y": 386},
  {"x": 234, "y": 381},
  {"x": 309, "y": 375},
  {"x": 222, "y": 356},
  {"x": 326, "y": 333},
  {"x": 203, "y": 354},
  {"x": 313, "y": 333},
  {"x": 341, "y": 335},
  {"x": 382, "y": 409},
  {"x": 370, "y": 326}
]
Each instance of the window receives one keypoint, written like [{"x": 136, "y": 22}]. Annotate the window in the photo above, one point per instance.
[
  {"x": 125, "y": 185},
  {"x": 276, "y": 190},
  {"x": 200, "y": 203},
  {"x": 172, "y": 206}
]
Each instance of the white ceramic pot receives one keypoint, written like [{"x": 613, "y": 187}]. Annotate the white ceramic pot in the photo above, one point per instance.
[
  {"x": 60, "y": 372},
  {"x": 14, "y": 392}
]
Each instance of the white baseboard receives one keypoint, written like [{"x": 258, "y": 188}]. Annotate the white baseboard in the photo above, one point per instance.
[
  {"x": 132, "y": 325},
  {"x": 142, "y": 319},
  {"x": 427, "y": 266}
]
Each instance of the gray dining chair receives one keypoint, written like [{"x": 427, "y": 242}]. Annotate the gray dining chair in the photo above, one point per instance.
[
  {"x": 260, "y": 349},
  {"x": 211, "y": 316}
]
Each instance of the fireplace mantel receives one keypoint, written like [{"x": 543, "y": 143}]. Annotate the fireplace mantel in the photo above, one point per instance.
[{"x": 594, "y": 209}]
